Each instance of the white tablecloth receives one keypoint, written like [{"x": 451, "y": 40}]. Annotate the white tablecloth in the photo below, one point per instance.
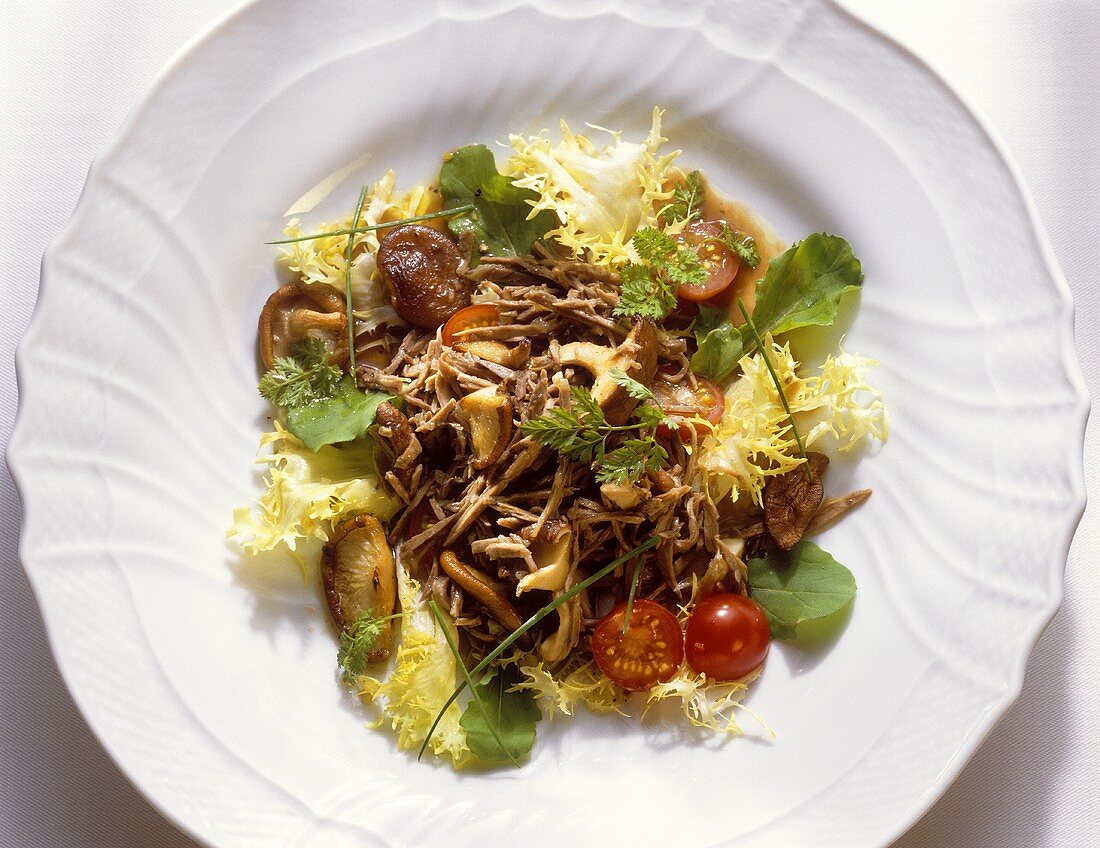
[{"x": 71, "y": 69}]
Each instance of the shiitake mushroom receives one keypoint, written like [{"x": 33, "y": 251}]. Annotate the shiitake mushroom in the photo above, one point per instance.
[
  {"x": 298, "y": 311},
  {"x": 791, "y": 499},
  {"x": 420, "y": 269},
  {"x": 359, "y": 574}
]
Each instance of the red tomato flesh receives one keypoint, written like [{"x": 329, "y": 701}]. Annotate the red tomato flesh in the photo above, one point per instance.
[
  {"x": 705, "y": 401},
  {"x": 650, "y": 652},
  {"x": 467, "y": 318},
  {"x": 722, "y": 264},
  {"x": 727, "y": 636}
]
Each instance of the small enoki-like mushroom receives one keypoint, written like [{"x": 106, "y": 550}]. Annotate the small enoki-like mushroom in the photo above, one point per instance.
[
  {"x": 299, "y": 311},
  {"x": 479, "y": 586}
]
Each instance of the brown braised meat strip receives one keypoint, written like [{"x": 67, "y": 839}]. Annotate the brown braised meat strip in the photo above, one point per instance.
[{"x": 495, "y": 526}]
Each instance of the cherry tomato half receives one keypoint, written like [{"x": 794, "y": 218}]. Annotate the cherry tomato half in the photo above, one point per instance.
[
  {"x": 721, "y": 263},
  {"x": 706, "y": 401},
  {"x": 727, "y": 636},
  {"x": 469, "y": 317},
  {"x": 650, "y": 651}
]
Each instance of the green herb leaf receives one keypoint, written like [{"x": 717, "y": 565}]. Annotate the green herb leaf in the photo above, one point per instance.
[
  {"x": 305, "y": 376},
  {"x": 586, "y": 404},
  {"x": 631, "y": 460},
  {"x": 650, "y": 416},
  {"x": 577, "y": 434},
  {"x": 643, "y": 293},
  {"x": 357, "y": 642},
  {"x": 649, "y": 288},
  {"x": 499, "y": 219},
  {"x": 633, "y": 388},
  {"x": 344, "y": 416},
  {"x": 805, "y": 584},
  {"x": 512, "y": 714},
  {"x": 802, "y": 287},
  {"x": 580, "y": 433},
  {"x": 719, "y": 346},
  {"x": 687, "y": 200},
  {"x": 739, "y": 243}
]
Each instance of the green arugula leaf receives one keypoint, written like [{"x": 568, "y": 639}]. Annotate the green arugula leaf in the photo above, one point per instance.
[
  {"x": 805, "y": 584},
  {"x": 303, "y": 377},
  {"x": 719, "y": 345},
  {"x": 344, "y": 416},
  {"x": 499, "y": 219},
  {"x": 512, "y": 714},
  {"x": 802, "y": 287}
]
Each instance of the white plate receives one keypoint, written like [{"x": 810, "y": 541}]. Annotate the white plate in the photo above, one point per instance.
[{"x": 213, "y": 686}]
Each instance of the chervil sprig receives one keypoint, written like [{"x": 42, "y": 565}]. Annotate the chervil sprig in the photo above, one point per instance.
[
  {"x": 648, "y": 288},
  {"x": 358, "y": 641},
  {"x": 633, "y": 459},
  {"x": 580, "y": 433},
  {"x": 301, "y": 378},
  {"x": 742, "y": 245},
  {"x": 687, "y": 201}
]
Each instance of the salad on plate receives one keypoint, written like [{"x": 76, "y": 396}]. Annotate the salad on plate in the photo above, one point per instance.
[{"x": 542, "y": 438}]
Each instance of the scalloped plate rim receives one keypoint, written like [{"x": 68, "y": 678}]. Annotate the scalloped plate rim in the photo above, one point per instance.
[{"x": 963, "y": 752}]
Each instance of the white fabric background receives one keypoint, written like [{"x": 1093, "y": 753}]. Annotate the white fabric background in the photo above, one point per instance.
[{"x": 70, "y": 70}]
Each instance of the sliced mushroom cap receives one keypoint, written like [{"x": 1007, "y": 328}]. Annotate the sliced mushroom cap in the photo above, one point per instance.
[
  {"x": 554, "y": 559},
  {"x": 489, "y": 418},
  {"x": 419, "y": 267},
  {"x": 636, "y": 357},
  {"x": 623, "y": 495},
  {"x": 557, "y": 647},
  {"x": 514, "y": 356},
  {"x": 791, "y": 499},
  {"x": 725, "y": 571},
  {"x": 357, "y": 570},
  {"x": 299, "y": 311}
]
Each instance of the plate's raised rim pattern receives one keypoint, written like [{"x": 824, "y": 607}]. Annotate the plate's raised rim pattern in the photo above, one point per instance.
[{"x": 307, "y": 825}]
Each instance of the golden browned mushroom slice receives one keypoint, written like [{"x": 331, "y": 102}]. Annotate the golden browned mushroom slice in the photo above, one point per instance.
[
  {"x": 624, "y": 495},
  {"x": 419, "y": 267},
  {"x": 636, "y": 357},
  {"x": 358, "y": 574},
  {"x": 791, "y": 499},
  {"x": 498, "y": 352},
  {"x": 554, "y": 558},
  {"x": 557, "y": 646},
  {"x": 481, "y": 588},
  {"x": 298, "y": 311},
  {"x": 489, "y": 418}
]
